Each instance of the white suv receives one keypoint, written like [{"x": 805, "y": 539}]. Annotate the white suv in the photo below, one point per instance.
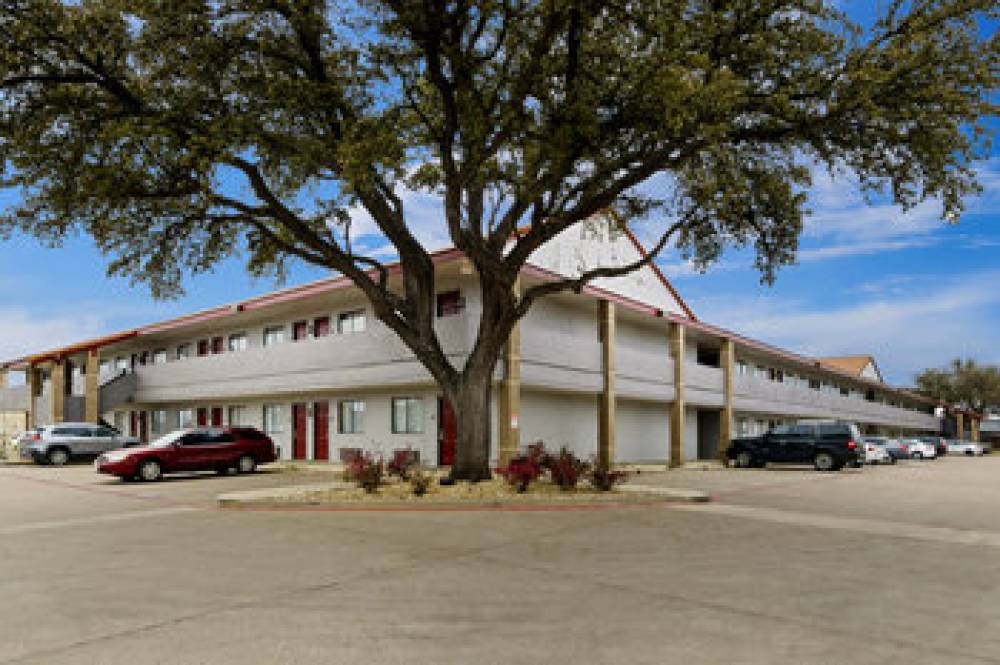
[
  {"x": 58, "y": 444},
  {"x": 921, "y": 449}
]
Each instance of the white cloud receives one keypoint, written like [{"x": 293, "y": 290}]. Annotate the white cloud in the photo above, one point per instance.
[
  {"x": 907, "y": 330},
  {"x": 843, "y": 223},
  {"x": 25, "y": 332},
  {"x": 424, "y": 214}
]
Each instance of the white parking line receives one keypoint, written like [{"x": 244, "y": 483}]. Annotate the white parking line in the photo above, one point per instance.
[
  {"x": 861, "y": 525},
  {"x": 96, "y": 519}
]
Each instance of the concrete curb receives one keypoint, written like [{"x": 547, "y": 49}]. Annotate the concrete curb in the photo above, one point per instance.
[
  {"x": 672, "y": 493},
  {"x": 276, "y": 494},
  {"x": 295, "y": 495}
]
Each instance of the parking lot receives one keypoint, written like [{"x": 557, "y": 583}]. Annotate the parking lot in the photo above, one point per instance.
[{"x": 893, "y": 564}]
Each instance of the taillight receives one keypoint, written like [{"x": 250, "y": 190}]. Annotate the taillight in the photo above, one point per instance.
[
  {"x": 852, "y": 445},
  {"x": 36, "y": 437},
  {"x": 904, "y": 448}
]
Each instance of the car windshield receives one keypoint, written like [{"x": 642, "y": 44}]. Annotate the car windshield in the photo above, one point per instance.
[{"x": 168, "y": 440}]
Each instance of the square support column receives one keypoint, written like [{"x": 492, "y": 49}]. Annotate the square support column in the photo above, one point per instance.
[
  {"x": 57, "y": 390},
  {"x": 677, "y": 409},
  {"x": 609, "y": 397},
  {"x": 509, "y": 436},
  {"x": 960, "y": 426},
  {"x": 728, "y": 359},
  {"x": 33, "y": 383},
  {"x": 975, "y": 430},
  {"x": 92, "y": 393},
  {"x": 3, "y": 378}
]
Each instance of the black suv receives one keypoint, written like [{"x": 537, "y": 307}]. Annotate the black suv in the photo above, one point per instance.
[{"x": 829, "y": 445}]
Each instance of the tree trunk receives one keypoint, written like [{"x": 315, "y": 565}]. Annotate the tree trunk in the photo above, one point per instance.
[{"x": 471, "y": 403}]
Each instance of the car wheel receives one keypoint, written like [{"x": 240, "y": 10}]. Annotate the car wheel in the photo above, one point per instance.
[
  {"x": 744, "y": 460},
  {"x": 824, "y": 462},
  {"x": 57, "y": 456},
  {"x": 893, "y": 460},
  {"x": 246, "y": 464},
  {"x": 150, "y": 471},
  {"x": 968, "y": 452}
]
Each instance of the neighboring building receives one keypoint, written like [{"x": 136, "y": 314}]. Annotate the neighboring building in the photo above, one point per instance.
[
  {"x": 623, "y": 369},
  {"x": 864, "y": 367}
]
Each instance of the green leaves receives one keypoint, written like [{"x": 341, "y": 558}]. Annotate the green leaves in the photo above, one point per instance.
[
  {"x": 123, "y": 120},
  {"x": 964, "y": 383}
]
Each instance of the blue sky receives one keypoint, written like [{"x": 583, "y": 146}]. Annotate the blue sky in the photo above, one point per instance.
[{"x": 906, "y": 288}]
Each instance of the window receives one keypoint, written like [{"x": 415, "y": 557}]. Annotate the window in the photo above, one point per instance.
[
  {"x": 776, "y": 375},
  {"x": 742, "y": 368},
  {"x": 351, "y": 322},
  {"x": 218, "y": 345},
  {"x": 120, "y": 421},
  {"x": 144, "y": 358},
  {"x": 273, "y": 421},
  {"x": 237, "y": 416},
  {"x": 844, "y": 392},
  {"x": 708, "y": 356},
  {"x": 121, "y": 364},
  {"x": 814, "y": 384},
  {"x": 103, "y": 432},
  {"x": 183, "y": 351},
  {"x": 203, "y": 347},
  {"x": 158, "y": 421},
  {"x": 238, "y": 342},
  {"x": 321, "y": 326},
  {"x": 352, "y": 417},
  {"x": 450, "y": 303},
  {"x": 185, "y": 418},
  {"x": 274, "y": 335},
  {"x": 300, "y": 331},
  {"x": 160, "y": 357},
  {"x": 104, "y": 369},
  {"x": 407, "y": 415}
]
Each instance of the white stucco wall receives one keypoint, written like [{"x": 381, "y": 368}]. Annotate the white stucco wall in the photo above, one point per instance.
[
  {"x": 560, "y": 419},
  {"x": 598, "y": 243},
  {"x": 690, "y": 434},
  {"x": 643, "y": 431}
]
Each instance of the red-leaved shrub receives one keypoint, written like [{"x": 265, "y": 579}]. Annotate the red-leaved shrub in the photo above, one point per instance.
[
  {"x": 365, "y": 470},
  {"x": 566, "y": 469}
]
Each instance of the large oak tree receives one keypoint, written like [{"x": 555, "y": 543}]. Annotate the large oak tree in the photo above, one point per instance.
[{"x": 129, "y": 120}]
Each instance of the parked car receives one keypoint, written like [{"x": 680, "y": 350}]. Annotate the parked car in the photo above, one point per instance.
[
  {"x": 940, "y": 445},
  {"x": 212, "y": 449},
  {"x": 964, "y": 447},
  {"x": 58, "y": 444},
  {"x": 876, "y": 452},
  {"x": 23, "y": 440},
  {"x": 896, "y": 449},
  {"x": 828, "y": 444},
  {"x": 921, "y": 449}
]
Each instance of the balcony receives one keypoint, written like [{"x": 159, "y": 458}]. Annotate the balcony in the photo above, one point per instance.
[
  {"x": 703, "y": 385},
  {"x": 376, "y": 357},
  {"x": 764, "y": 396}
]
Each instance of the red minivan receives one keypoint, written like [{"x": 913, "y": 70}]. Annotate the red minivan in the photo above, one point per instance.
[{"x": 204, "y": 449}]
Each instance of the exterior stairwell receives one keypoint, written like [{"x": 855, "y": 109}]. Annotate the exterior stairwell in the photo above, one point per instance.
[{"x": 117, "y": 390}]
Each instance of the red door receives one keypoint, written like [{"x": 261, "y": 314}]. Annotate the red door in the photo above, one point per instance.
[
  {"x": 143, "y": 433},
  {"x": 321, "y": 326},
  {"x": 299, "y": 330},
  {"x": 218, "y": 345},
  {"x": 133, "y": 424},
  {"x": 321, "y": 430},
  {"x": 203, "y": 347},
  {"x": 216, "y": 416},
  {"x": 447, "y": 433},
  {"x": 299, "y": 431},
  {"x": 202, "y": 417}
]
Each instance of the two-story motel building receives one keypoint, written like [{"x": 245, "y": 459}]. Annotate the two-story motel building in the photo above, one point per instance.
[{"x": 624, "y": 369}]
